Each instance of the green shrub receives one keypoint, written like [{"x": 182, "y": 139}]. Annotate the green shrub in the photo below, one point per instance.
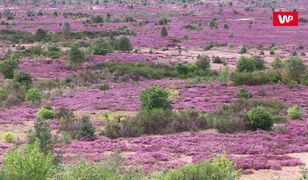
[
  {"x": 23, "y": 78},
  {"x": 124, "y": 44},
  {"x": 103, "y": 87},
  {"x": 220, "y": 168},
  {"x": 293, "y": 70},
  {"x": 181, "y": 68},
  {"x": 40, "y": 34},
  {"x": 100, "y": 47},
  {"x": 163, "y": 32},
  {"x": 250, "y": 78},
  {"x": 45, "y": 113},
  {"x": 260, "y": 118},
  {"x": 203, "y": 62},
  {"x": 163, "y": 21},
  {"x": 68, "y": 121},
  {"x": 243, "y": 50},
  {"x": 34, "y": 95},
  {"x": 244, "y": 93},
  {"x": 66, "y": 29},
  {"x": 8, "y": 66},
  {"x": 3, "y": 94},
  {"x": 8, "y": 137},
  {"x": 85, "y": 130},
  {"x": 213, "y": 23},
  {"x": 154, "y": 97},
  {"x": 53, "y": 51},
  {"x": 277, "y": 63},
  {"x": 28, "y": 162},
  {"x": 76, "y": 56},
  {"x": 294, "y": 112},
  {"x": 246, "y": 64}
]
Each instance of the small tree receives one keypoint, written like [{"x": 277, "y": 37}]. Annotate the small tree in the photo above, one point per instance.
[
  {"x": 76, "y": 56},
  {"x": 124, "y": 44},
  {"x": 154, "y": 97},
  {"x": 8, "y": 66},
  {"x": 260, "y": 118},
  {"x": 34, "y": 96},
  {"x": 40, "y": 34},
  {"x": 163, "y": 32},
  {"x": 85, "y": 129}
]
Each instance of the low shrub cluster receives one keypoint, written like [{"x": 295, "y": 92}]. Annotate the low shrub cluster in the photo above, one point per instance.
[
  {"x": 102, "y": 47},
  {"x": 246, "y": 64}
]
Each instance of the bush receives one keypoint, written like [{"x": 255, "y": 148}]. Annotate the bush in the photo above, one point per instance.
[
  {"x": 85, "y": 130},
  {"x": 28, "y": 162},
  {"x": 34, "y": 95},
  {"x": 163, "y": 21},
  {"x": 100, "y": 47},
  {"x": 216, "y": 59},
  {"x": 244, "y": 93},
  {"x": 8, "y": 66},
  {"x": 66, "y": 29},
  {"x": 45, "y": 113},
  {"x": 181, "y": 68},
  {"x": 23, "y": 78},
  {"x": 76, "y": 56},
  {"x": 243, "y": 50},
  {"x": 41, "y": 134},
  {"x": 124, "y": 44},
  {"x": 3, "y": 94},
  {"x": 260, "y": 118},
  {"x": 154, "y": 97},
  {"x": 277, "y": 63},
  {"x": 163, "y": 32},
  {"x": 250, "y": 78},
  {"x": 246, "y": 64},
  {"x": 53, "y": 51},
  {"x": 220, "y": 168},
  {"x": 294, "y": 112},
  {"x": 203, "y": 62},
  {"x": 8, "y": 137},
  {"x": 68, "y": 121},
  {"x": 293, "y": 69},
  {"x": 40, "y": 34}
]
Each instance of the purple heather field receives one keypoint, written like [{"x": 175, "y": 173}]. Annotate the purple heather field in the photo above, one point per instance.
[{"x": 94, "y": 58}]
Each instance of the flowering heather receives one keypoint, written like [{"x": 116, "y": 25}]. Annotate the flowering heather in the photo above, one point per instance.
[
  {"x": 250, "y": 150},
  {"x": 17, "y": 115}
]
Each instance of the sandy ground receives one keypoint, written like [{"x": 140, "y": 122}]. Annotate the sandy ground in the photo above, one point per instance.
[{"x": 286, "y": 173}]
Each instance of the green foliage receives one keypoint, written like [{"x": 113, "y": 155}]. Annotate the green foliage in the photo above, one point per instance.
[
  {"x": 250, "y": 78},
  {"x": 203, "y": 62},
  {"x": 66, "y": 29},
  {"x": 277, "y": 63},
  {"x": 41, "y": 134},
  {"x": 213, "y": 23},
  {"x": 224, "y": 74},
  {"x": 101, "y": 47},
  {"x": 53, "y": 51},
  {"x": 294, "y": 112},
  {"x": 3, "y": 94},
  {"x": 243, "y": 50},
  {"x": 23, "y": 78},
  {"x": 34, "y": 96},
  {"x": 45, "y": 113},
  {"x": 8, "y": 137},
  {"x": 163, "y": 21},
  {"x": 28, "y": 162},
  {"x": 85, "y": 130},
  {"x": 293, "y": 69},
  {"x": 244, "y": 93},
  {"x": 8, "y": 66},
  {"x": 260, "y": 118},
  {"x": 246, "y": 64},
  {"x": 220, "y": 168},
  {"x": 124, "y": 44},
  {"x": 40, "y": 34},
  {"x": 76, "y": 56},
  {"x": 154, "y": 97},
  {"x": 163, "y": 32}
]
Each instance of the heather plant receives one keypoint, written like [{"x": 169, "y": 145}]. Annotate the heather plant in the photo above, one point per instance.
[
  {"x": 163, "y": 32},
  {"x": 42, "y": 135},
  {"x": 218, "y": 169},
  {"x": 243, "y": 93},
  {"x": 260, "y": 118},
  {"x": 76, "y": 56},
  {"x": 154, "y": 97},
  {"x": 8, "y": 137},
  {"x": 45, "y": 113},
  {"x": 28, "y": 162},
  {"x": 294, "y": 112},
  {"x": 8, "y": 66},
  {"x": 85, "y": 129}
]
